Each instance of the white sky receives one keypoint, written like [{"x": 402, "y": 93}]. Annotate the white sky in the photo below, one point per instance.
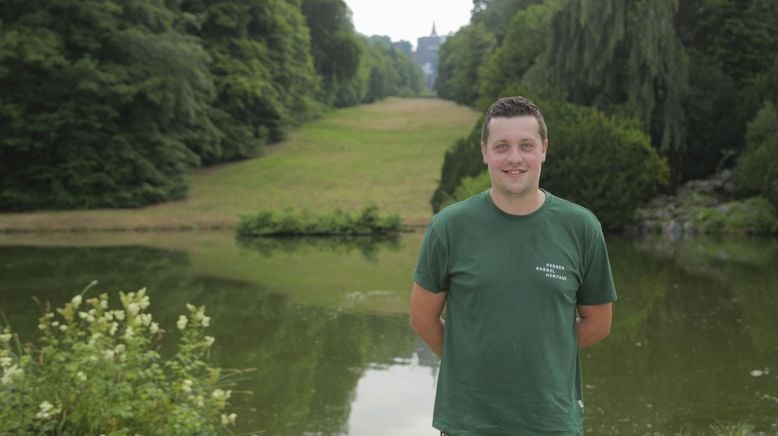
[{"x": 409, "y": 19}]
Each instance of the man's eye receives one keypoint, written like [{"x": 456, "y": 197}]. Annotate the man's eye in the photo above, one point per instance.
[
  {"x": 501, "y": 146},
  {"x": 527, "y": 146}
]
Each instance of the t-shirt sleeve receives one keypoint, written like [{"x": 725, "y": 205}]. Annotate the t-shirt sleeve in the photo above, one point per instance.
[
  {"x": 597, "y": 286},
  {"x": 432, "y": 268}
]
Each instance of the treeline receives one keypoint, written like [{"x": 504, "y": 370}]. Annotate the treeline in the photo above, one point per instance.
[
  {"x": 640, "y": 95},
  {"x": 110, "y": 104}
]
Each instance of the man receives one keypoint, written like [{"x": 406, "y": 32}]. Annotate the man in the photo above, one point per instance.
[{"x": 526, "y": 283}]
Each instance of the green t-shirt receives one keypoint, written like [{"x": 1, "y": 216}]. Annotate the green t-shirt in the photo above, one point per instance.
[{"x": 510, "y": 354}]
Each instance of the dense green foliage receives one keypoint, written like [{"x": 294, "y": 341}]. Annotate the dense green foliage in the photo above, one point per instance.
[
  {"x": 100, "y": 105},
  {"x": 757, "y": 173},
  {"x": 605, "y": 163},
  {"x": 463, "y": 160},
  {"x": 97, "y": 371},
  {"x": 106, "y": 104},
  {"x": 339, "y": 223},
  {"x": 459, "y": 61},
  {"x": 336, "y": 49},
  {"x": 751, "y": 216},
  {"x": 691, "y": 73}
]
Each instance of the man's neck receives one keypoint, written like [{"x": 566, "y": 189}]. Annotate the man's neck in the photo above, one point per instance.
[{"x": 518, "y": 205}]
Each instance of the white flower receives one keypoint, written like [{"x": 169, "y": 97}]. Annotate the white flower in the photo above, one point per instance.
[
  {"x": 55, "y": 324},
  {"x": 94, "y": 338},
  {"x": 5, "y": 362},
  {"x": 104, "y": 304},
  {"x": 144, "y": 319},
  {"x": 181, "y": 323},
  {"x": 120, "y": 348},
  {"x": 128, "y": 332},
  {"x": 206, "y": 320},
  {"x": 81, "y": 376},
  {"x": 187, "y": 386},
  {"x": 144, "y": 302},
  {"x": 76, "y": 301},
  {"x": 5, "y": 338},
  {"x": 45, "y": 409},
  {"x": 154, "y": 328},
  {"x": 219, "y": 394},
  {"x": 42, "y": 326},
  {"x": 11, "y": 374},
  {"x": 119, "y": 314},
  {"x": 114, "y": 327},
  {"x": 209, "y": 340},
  {"x": 133, "y": 308},
  {"x": 109, "y": 354},
  {"x": 86, "y": 316},
  {"x": 190, "y": 307},
  {"x": 229, "y": 419},
  {"x": 63, "y": 327}
]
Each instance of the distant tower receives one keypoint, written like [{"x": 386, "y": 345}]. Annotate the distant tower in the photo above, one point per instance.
[{"x": 427, "y": 55}]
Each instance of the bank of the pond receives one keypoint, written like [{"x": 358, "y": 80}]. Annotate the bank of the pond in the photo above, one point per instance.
[
  {"x": 386, "y": 154},
  {"x": 707, "y": 206}
]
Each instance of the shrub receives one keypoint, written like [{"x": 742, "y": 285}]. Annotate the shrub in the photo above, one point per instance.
[
  {"x": 757, "y": 171},
  {"x": 604, "y": 163},
  {"x": 462, "y": 160},
  {"x": 751, "y": 216},
  {"x": 339, "y": 223},
  {"x": 97, "y": 372}
]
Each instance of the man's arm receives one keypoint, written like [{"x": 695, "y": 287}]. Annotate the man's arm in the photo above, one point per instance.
[
  {"x": 594, "y": 323},
  {"x": 425, "y": 311}
]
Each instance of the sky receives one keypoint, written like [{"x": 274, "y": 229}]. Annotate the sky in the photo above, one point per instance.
[{"x": 409, "y": 19}]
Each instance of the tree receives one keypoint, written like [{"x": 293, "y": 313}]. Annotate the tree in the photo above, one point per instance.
[
  {"x": 496, "y": 15},
  {"x": 102, "y": 105},
  {"x": 262, "y": 68},
  {"x": 525, "y": 40},
  {"x": 738, "y": 34},
  {"x": 335, "y": 48},
  {"x": 390, "y": 72},
  {"x": 624, "y": 56},
  {"x": 460, "y": 59},
  {"x": 713, "y": 122},
  {"x": 757, "y": 171}
]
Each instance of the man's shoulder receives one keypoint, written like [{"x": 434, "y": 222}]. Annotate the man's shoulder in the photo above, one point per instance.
[
  {"x": 570, "y": 210},
  {"x": 462, "y": 210}
]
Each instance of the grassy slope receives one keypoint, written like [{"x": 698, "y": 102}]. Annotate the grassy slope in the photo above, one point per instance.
[{"x": 388, "y": 154}]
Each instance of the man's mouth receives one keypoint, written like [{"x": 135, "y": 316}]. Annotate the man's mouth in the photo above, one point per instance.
[{"x": 514, "y": 172}]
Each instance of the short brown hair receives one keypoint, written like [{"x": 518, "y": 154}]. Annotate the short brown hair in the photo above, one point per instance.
[{"x": 509, "y": 107}]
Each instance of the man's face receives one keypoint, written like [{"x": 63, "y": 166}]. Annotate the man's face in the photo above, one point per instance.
[{"x": 514, "y": 153}]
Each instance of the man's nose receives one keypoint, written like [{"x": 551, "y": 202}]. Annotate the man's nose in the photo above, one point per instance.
[{"x": 514, "y": 155}]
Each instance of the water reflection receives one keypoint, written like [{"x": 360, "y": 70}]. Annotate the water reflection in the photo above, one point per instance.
[
  {"x": 325, "y": 326},
  {"x": 368, "y": 246},
  {"x": 396, "y": 399}
]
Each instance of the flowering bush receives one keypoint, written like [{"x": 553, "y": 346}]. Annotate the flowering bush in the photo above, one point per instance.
[{"x": 96, "y": 372}]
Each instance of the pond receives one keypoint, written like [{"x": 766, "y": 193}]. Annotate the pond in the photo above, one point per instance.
[{"x": 694, "y": 343}]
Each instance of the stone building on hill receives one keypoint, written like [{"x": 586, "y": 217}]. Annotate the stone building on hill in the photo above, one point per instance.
[{"x": 426, "y": 55}]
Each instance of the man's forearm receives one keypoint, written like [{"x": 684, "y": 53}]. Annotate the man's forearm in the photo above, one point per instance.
[
  {"x": 425, "y": 316},
  {"x": 590, "y": 332},
  {"x": 431, "y": 332}
]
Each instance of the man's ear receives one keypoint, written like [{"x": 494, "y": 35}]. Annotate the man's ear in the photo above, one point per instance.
[
  {"x": 545, "y": 149},
  {"x": 483, "y": 151}
]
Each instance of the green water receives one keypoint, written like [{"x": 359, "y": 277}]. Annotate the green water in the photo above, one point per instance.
[{"x": 324, "y": 324}]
